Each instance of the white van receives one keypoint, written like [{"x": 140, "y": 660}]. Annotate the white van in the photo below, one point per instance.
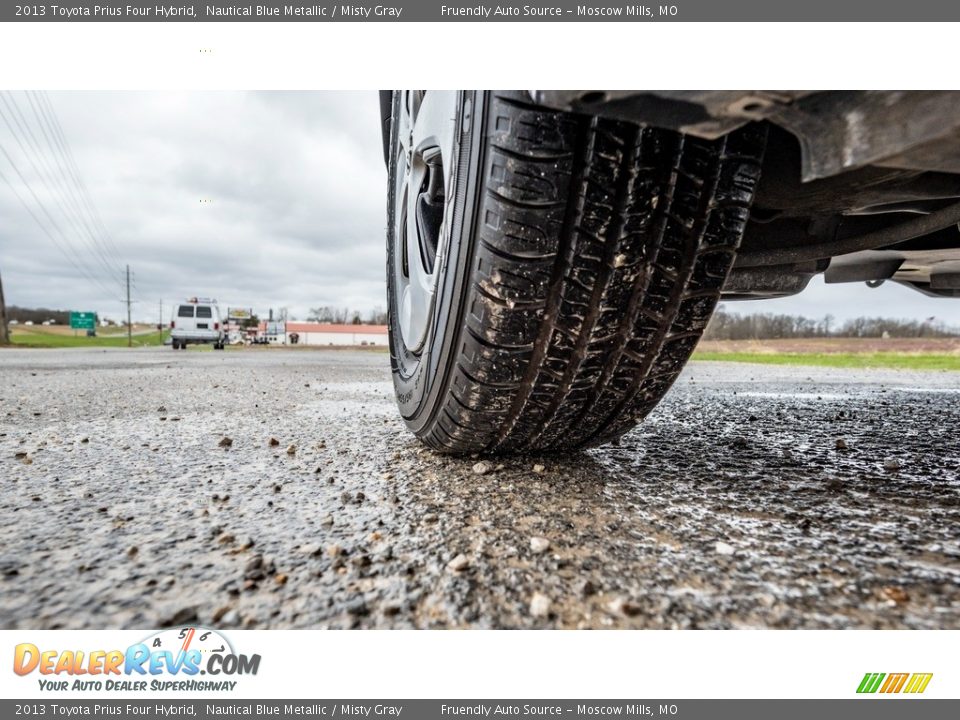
[{"x": 196, "y": 321}]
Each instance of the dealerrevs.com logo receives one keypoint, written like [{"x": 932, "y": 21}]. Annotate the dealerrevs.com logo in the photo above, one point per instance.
[
  {"x": 170, "y": 660},
  {"x": 911, "y": 683}
]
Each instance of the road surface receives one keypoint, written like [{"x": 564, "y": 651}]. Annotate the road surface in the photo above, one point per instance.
[{"x": 278, "y": 488}]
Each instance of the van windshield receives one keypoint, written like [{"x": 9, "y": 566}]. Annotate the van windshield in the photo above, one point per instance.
[
  {"x": 185, "y": 311},
  {"x": 204, "y": 311}
]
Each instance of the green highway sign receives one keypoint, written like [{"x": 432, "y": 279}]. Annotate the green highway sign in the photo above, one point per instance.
[{"x": 83, "y": 320}]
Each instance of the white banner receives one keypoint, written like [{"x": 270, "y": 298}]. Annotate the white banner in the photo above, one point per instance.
[{"x": 476, "y": 664}]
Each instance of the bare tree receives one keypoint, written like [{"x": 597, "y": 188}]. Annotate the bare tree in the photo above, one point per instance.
[
  {"x": 322, "y": 314},
  {"x": 378, "y": 316},
  {"x": 768, "y": 326},
  {"x": 827, "y": 323},
  {"x": 344, "y": 315}
]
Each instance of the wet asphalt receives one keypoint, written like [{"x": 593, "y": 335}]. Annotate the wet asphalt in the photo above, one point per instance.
[{"x": 279, "y": 489}]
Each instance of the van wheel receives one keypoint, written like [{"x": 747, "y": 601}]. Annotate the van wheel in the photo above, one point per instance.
[
  {"x": 175, "y": 345},
  {"x": 549, "y": 274}
]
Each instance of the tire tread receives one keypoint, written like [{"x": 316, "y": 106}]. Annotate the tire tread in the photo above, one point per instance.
[{"x": 601, "y": 250}]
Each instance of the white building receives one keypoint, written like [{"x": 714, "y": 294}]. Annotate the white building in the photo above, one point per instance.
[{"x": 310, "y": 333}]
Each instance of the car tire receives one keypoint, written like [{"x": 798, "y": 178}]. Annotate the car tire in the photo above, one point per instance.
[
  {"x": 175, "y": 345},
  {"x": 577, "y": 262}
]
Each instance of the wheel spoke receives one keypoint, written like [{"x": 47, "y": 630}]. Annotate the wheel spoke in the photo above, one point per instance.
[
  {"x": 405, "y": 122},
  {"x": 419, "y": 273},
  {"x": 435, "y": 123},
  {"x": 426, "y": 135}
]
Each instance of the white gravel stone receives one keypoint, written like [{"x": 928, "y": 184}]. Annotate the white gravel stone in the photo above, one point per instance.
[
  {"x": 539, "y": 605},
  {"x": 723, "y": 548},
  {"x": 539, "y": 545},
  {"x": 460, "y": 562}
]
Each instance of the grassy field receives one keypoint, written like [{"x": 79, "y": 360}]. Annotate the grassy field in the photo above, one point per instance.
[
  {"x": 61, "y": 337},
  {"x": 908, "y": 354},
  {"x": 903, "y": 353}
]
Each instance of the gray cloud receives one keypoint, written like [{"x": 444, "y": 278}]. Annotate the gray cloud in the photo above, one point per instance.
[
  {"x": 295, "y": 189},
  {"x": 295, "y": 218}
]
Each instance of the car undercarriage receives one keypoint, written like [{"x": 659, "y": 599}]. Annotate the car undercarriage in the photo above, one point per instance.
[{"x": 861, "y": 186}]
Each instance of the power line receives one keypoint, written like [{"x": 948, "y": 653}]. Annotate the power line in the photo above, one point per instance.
[
  {"x": 66, "y": 195},
  {"x": 43, "y": 100},
  {"x": 43, "y": 123},
  {"x": 76, "y": 171},
  {"x": 80, "y": 266},
  {"x": 79, "y": 260},
  {"x": 65, "y": 186}
]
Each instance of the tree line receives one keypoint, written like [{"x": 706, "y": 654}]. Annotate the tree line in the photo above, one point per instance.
[
  {"x": 346, "y": 316},
  {"x": 37, "y": 315},
  {"x": 323, "y": 314},
  {"x": 770, "y": 326}
]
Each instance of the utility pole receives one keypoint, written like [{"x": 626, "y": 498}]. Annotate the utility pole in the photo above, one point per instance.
[
  {"x": 129, "y": 326},
  {"x": 4, "y": 333},
  {"x": 160, "y": 321}
]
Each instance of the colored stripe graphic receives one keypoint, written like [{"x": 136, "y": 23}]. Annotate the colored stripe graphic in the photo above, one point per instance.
[
  {"x": 870, "y": 682},
  {"x": 918, "y": 682},
  {"x": 895, "y": 682}
]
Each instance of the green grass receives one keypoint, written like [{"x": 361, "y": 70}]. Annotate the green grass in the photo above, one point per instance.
[
  {"x": 40, "y": 339},
  {"x": 902, "y": 361}
]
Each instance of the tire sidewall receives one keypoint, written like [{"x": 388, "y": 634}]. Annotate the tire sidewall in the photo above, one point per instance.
[{"x": 421, "y": 381}]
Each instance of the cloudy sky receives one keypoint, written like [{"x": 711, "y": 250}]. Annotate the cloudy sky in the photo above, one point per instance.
[{"x": 258, "y": 199}]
